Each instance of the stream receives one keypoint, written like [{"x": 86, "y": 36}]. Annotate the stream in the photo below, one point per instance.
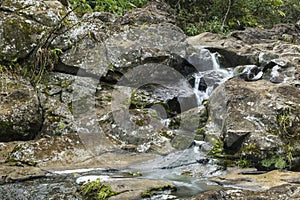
[{"x": 188, "y": 169}]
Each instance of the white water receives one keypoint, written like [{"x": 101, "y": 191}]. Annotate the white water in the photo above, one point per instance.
[
  {"x": 222, "y": 75},
  {"x": 91, "y": 178},
  {"x": 200, "y": 95},
  {"x": 70, "y": 171},
  {"x": 214, "y": 58}
]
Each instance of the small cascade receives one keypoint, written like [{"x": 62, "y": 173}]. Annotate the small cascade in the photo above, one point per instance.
[
  {"x": 200, "y": 95},
  {"x": 214, "y": 76},
  {"x": 166, "y": 122},
  {"x": 214, "y": 58}
]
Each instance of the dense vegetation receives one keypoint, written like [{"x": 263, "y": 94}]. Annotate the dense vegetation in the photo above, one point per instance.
[
  {"x": 113, "y": 6},
  {"x": 196, "y": 16},
  {"x": 220, "y": 16}
]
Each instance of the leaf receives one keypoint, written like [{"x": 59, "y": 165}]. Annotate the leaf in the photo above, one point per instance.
[
  {"x": 15, "y": 60},
  {"x": 281, "y": 13},
  {"x": 280, "y": 163},
  {"x": 266, "y": 162}
]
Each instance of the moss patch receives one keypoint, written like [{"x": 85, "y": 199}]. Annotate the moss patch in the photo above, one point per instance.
[
  {"x": 154, "y": 191},
  {"x": 96, "y": 190}
]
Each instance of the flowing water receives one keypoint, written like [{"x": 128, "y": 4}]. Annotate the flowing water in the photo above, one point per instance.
[
  {"x": 212, "y": 78},
  {"x": 187, "y": 169}
]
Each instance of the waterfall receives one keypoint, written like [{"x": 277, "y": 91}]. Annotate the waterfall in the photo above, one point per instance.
[
  {"x": 214, "y": 59},
  {"x": 200, "y": 95},
  {"x": 211, "y": 78}
]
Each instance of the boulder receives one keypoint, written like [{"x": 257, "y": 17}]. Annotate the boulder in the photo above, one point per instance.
[
  {"x": 46, "y": 151},
  {"x": 21, "y": 115},
  {"x": 105, "y": 42},
  {"x": 276, "y": 193},
  {"x": 251, "y": 184},
  {"x": 24, "y": 24},
  {"x": 256, "y": 120},
  {"x": 141, "y": 188}
]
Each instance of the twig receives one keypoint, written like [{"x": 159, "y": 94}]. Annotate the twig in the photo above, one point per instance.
[{"x": 226, "y": 15}]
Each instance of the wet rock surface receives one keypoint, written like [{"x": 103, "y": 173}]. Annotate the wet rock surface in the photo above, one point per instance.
[
  {"x": 134, "y": 95},
  {"x": 252, "y": 184},
  {"x": 250, "y": 121}
]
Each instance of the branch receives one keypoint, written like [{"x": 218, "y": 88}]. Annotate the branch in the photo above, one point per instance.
[{"x": 226, "y": 15}]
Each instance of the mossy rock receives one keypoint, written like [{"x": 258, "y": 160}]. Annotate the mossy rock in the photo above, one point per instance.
[
  {"x": 96, "y": 190},
  {"x": 154, "y": 191},
  {"x": 20, "y": 36}
]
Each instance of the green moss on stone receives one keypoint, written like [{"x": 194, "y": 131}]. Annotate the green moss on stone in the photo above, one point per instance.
[
  {"x": 153, "y": 191},
  {"x": 96, "y": 190},
  {"x": 217, "y": 150},
  {"x": 200, "y": 131}
]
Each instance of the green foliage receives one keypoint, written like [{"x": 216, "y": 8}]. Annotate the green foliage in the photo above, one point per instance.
[
  {"x": 281, "y": 161},
  {"x": 96, "y": 190},
  {"x": 277, "y": 161},
  {"x": 192, "y": 29},
  {"x": 243, "y": 162},
  {"x": 288, "y": 122},
  {"x": 217, "y": 150},
  {"x": 220, "y": 16},
  {"x": 200, "y": 131},
  {"x": 112, "y": 6}
]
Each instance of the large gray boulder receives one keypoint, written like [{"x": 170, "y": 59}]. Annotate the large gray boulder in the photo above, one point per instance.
[
  {"x": 24, "y": 24},
  {"x": 21, "y": 115},
  {"x": 256, "y": 120}
]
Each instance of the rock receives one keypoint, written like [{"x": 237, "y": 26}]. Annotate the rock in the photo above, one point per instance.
[
  {"x": 137, "y": 188},
  {"x": 239, "y": 178},
  {"x": 154, "y": 12},
  {"x": 232, "y": 51},
  {"x": 35, "y": 183},
  {"x": 46, "y": 151},
  {"x": 55, "y": 94},
  {"x": 269, "y": 185},
  {"x": 86, "y": 51},
  {"x": 77, "y": 116},
  {"x": 276, "y": 77},
  {"x": 11, "y": 174},
  {"x": 276, "y": 193},
  {"x": 262, "y": 50},
  {"x": 21, "y": 32},
  {"x": 285, "y": 32},
  {"x": 113, "y": 42},
  {"x": 190, "y": 120},
  {"x": 138, "y": 131},
  {"x": 19, "y": 36},
  {"x": 159, "y": 42},
  {"x": 5, "y": 149},
  {"x": 250, "y": 117},
  {"x": 21, "y": 115},
  {"x": 248, "y": 72}
]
